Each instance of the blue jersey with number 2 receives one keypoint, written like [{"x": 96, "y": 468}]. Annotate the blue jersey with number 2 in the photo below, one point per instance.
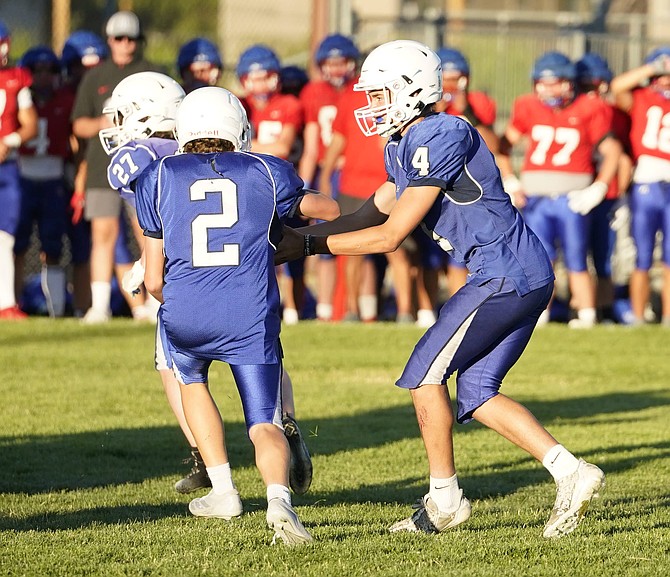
[{"x": 218, "y": 216}]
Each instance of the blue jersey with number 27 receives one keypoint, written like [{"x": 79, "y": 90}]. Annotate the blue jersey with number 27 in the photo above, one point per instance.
[
  {"x": 130, "y": 160},
  {"x": 218, "y": 216}
]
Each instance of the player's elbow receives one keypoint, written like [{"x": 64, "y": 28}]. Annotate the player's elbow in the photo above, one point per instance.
[{"x": 154, "y": 285}]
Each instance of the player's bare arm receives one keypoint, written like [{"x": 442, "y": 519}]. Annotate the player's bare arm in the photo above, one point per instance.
[{"x": 155, "y": 266}]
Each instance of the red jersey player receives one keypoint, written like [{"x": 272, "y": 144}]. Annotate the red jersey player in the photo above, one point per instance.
[
  {"x": 644, "y": 92},
  {"x": 558, "y": 187},
  {"x": 18, "y": 123}
]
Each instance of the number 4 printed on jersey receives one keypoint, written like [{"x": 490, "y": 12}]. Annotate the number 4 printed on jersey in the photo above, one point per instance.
[{"x": 420, "y": 161}]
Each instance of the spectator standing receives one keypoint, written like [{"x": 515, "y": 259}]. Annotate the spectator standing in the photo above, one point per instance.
[
  {"x": 644, "y": 92},
  {"x": 336, "y": 58},
  {"x": 103, "y": 205},
  {"x": 82, "y": 50},
  {"x": 18, "y": 124},
  {"x": 593, "y": 78},
  {"x": 558, "y": 188},
  {"x": 42, "y": 162}
]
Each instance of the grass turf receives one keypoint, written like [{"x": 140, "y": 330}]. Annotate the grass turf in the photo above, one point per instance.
[{"x": 89, "y": 452}]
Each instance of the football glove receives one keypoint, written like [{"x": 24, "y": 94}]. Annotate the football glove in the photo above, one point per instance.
[
  {"x": 133, "y": 279},
  {"x": 585, "y": 200}
]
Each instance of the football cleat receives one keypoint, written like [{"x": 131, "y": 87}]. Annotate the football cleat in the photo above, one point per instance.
[
  {"x": 197, "y": 478},
  {"x": 283, "y": 520},
  {"x": 429, "y": 519},
  {"x": 300, "y": 470},
  {"x": 573, "y": 495},
  {"x": 224, "y": 506},
  {"x": 96, "y": 317}
]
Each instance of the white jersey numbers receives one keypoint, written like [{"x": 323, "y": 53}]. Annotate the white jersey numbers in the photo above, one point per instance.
[
  {"x": 124, "y": 168},
  {"x": 229, "y": 255},
  {"x": 420, "y": 161},
  {"x": 657, "y": 131},
  {"x": 545, "y": 136}
]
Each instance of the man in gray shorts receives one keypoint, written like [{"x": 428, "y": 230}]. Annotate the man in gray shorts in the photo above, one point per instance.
[{"x": 103, "y": 204}]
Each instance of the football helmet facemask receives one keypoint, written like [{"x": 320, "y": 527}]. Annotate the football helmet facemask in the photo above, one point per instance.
[
  {"x": 213, "y": 112},
  {"x": 410, "y": 76},
  {"x": 141, "y": 105}
]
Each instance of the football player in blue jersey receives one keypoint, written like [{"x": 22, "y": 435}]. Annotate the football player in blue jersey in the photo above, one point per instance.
[
  {"x": 144, "y": 108},
  {"x": 211, "y": 221},
  {"x": 442, "y": 177}
]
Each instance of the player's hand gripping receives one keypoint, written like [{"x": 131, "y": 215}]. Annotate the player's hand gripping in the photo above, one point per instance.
[{"x": 291, "y": 246}]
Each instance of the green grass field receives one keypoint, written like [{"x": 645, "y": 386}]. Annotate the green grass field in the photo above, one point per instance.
[{"x": 89, "y": 452}]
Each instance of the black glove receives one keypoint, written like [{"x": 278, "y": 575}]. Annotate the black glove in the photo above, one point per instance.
[{"x": 291, "y": 246}]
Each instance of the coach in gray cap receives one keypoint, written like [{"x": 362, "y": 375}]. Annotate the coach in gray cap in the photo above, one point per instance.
[{"x": 103, "y": 204}]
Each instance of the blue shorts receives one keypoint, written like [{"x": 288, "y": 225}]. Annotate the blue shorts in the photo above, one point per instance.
[
  {"x": 10, "y": 196},
  {"x": 480, "y": 332},
  {"x": 602, "y": 237},
  {"x": 552, "y": 221},
  {"x": 80, "y": 241},
  {"x": 122, "y": 253},
  {"x": 43, "y": 202},
  {"x": 650, "y": 212}
]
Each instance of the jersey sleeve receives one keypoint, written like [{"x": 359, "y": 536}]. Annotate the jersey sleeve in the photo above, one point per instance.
[
  {"x": 484, "y": 107},
  {"x": 289, "y": 186},
  {"x": 146, "y": 200},
  {"x": 437, "y": 157},
  {"x": 601, "y": 126},
  {"x": 519, "y": 117},
  {"x": 125, "y": 167}
]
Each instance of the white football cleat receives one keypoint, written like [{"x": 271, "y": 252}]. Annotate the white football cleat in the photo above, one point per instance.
[
  {"x": 224, "y": 506},
  {"x": 429, "y": 519},
  {"x": 283, "y": 520},
  {"x": 573, "y": 496}
]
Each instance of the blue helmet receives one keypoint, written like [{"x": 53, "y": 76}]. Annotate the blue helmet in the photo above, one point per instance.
[
  {"x": 83, "y": 47},
  {"x": 593, "y": 68},
  {"x": 4, "y": 31},
  {"x": 293, "y": 78},
  {"x": 39, "y": 55},
  {"x": 256, "y": 58},
  {"x": 453, "y": 61},
  {"x": 656, "y": 53},
  {"x": 553, "y": 65},
  {"x": 198, "y": 50},
  {"x": 336, "y": 46}
]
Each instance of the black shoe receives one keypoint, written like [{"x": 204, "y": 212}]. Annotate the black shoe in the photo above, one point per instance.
[
  {"x": 197, "y": 478},
  {"x": 300, "y": 471}
]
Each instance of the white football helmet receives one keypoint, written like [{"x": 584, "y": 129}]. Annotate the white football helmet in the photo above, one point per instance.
[
  {"x": 141, "y": 105},
  {"x": 410, "y": 75},
  {"x": 213, "y": 112}
]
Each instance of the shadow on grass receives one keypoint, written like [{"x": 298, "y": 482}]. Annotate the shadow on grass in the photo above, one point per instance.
[{"x": 40, "y": 464}]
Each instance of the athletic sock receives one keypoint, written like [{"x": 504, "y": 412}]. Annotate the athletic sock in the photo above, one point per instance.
[
  {"x": 221, "y": 478},
  {"x": 54, "y": 283},
  {"x": 7, "y": 296},
  {"x": 276, "y": 491},
  {"x": 560, "y": 462},
  {"x": 445, "y": 493},
  {"x": 101, "y": 296}
]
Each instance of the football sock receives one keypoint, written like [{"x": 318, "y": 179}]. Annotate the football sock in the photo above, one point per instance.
[
  {"x": 221, "y": 478},
  {"x": 324, "y": 311},
  {"x": 367, "y": 307},
  {"x": 277, "y": 491},
  {"x": 560, "y": 462},
  {"x": 7, "y": 297},
  {"x": 445, "y": 493},
  {"x": 587, "y": 315},
  {"x": 101, "y": 295},
  {"x": 54, "y": 287}
]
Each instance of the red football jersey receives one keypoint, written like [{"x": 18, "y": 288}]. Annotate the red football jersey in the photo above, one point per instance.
[
  {"x": 650, "y": 124},
  {"x": 482, "y": 105},
  {"x": 54, "y": 128},
  {"x": 267, "y": 123},
  {"x": 561, "y": 139},
  {"x": 363, "y": 171},
  {"x": 12, "y": 81},
  {"x": 319, "y": 100}
]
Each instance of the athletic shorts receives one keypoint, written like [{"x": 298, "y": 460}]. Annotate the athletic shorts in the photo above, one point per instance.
[
  {"x": 102, "y": 202},
  {"x": 480, "y": 332}
]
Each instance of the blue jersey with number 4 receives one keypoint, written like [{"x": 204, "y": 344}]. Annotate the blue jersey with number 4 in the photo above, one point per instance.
[
  {"x": 218, "y": 217},
  {"x": 130, "y": 160},
  {"x": 473, "y": 219}
]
